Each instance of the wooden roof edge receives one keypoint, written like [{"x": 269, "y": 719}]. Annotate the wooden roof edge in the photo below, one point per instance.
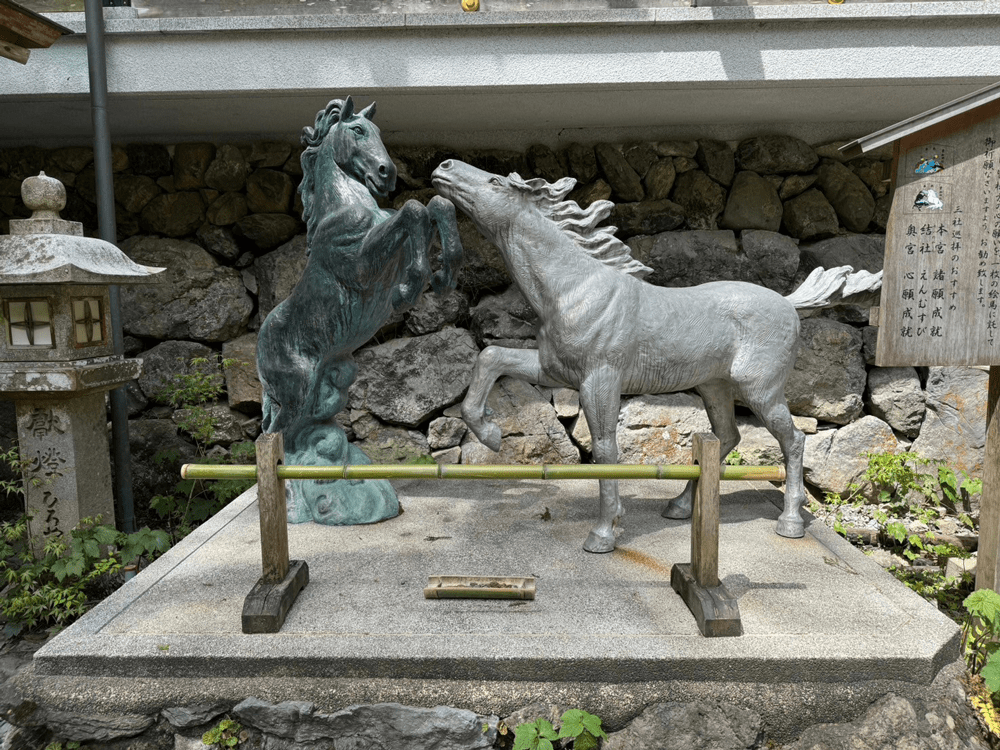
[
  {"x": 921, "y": 121},
  {"x": 26, "y": 28}
]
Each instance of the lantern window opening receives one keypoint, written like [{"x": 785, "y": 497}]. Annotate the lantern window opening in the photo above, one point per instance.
[
  {"x": 29, "y": 323},
  {"x": 88, "y": 321}
]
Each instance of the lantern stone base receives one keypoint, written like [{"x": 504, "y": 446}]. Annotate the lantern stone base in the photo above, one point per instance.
[{"x": 67, "y": 471}]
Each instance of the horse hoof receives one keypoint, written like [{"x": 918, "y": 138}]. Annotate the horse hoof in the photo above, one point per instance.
[
  {"x": 599, "y": 544},
  {"x": 491, "y": 436},
  {"x": 790, "y": 529},
  {"x": 677, "y": 509}
]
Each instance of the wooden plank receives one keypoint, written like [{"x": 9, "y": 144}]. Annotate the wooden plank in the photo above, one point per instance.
[
  {"x": 25, "y": 28},
  {"x": 989, "y": 508},
  {"x": 13, "y": 52},
  {"x": 271, "y": 503},
  {"x": 941, "y": 288},
  {"x": 715, "y": 610},
  {"x": 267, "y": 604},
  {"x": 705, "y": 514}
]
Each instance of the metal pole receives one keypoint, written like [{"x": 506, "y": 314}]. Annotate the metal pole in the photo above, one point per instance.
[{"x": 97, "y": 63}]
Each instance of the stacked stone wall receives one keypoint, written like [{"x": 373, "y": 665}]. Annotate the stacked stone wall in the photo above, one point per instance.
[{"x": 224, "y": 219}]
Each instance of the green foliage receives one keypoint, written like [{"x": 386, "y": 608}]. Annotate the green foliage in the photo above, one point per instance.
[
  {"x": 57, "y": 584},
  {"x": 980, "y": 635},
  {"x": 227, "y": 733},
  {"x": 578, "y": 727},
  {"x": 735, "y": 458},
  {"x": 69, "y": 745},
  {"x": 194, "y": 501}
]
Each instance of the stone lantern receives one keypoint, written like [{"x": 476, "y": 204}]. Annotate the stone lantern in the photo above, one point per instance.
[{"x": 57, "y": 358}]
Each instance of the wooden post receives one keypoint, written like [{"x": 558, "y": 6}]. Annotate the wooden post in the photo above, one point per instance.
[
  {"x": 714, "y": 608},
  {"x": 989, "y": 507},
  {"x": 268, "y": 603}
]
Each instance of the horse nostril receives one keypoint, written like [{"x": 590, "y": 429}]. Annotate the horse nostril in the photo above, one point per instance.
[
  {"x": 383, "y": 170},
  {"x": 445, "y": 164}
]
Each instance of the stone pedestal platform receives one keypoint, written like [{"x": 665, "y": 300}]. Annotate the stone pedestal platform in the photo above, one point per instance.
[{"x": 825, "y": 630}]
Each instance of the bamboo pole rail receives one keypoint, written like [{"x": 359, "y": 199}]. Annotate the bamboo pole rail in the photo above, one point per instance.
[{"x": 485, "y": 471}]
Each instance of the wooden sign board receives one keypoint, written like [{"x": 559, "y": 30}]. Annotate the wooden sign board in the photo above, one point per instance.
[{"x": 941, "y": 286}]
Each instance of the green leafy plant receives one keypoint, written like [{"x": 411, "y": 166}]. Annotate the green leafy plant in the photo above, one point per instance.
[
  {"x": 194, "y": 501},
  {"x": 68, "y": 745},
  {"x": 735, "y": 458},
  {"x": 227, "y": 733},
  {"x": 981, "y": 648},
  {"x": 581, "y": 729}
]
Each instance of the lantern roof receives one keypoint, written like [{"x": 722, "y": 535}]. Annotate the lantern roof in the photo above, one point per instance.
[{"x": 46, "y": 249}]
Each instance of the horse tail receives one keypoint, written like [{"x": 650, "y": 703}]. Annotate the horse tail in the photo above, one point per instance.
[{"x": 835, "y": 286}]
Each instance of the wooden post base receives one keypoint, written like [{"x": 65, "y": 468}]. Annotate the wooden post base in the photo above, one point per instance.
[
  {"x": 267, "y": 604},
  {"x": 714, "y": 608}
]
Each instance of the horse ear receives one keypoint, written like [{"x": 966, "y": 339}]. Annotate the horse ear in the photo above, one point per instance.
[
  {"x": 368, "y": 112},
  {"x": 347, "y": 111}
]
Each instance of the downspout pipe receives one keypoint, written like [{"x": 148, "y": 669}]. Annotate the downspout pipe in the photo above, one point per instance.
[{"x": 107, "y": 227}]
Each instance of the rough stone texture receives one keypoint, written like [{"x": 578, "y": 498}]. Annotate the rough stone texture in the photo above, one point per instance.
[
  {"x": 684, "y": 164},
  {"x": 134, "y": 191},
  {"x": 148, "y": 158},
  {"x": 954, "y": 429},
  {"x": 640, "y": 156},
  {"x": 701, "y": 198},
  {"x": 278, "y": 272},
  {"x": 775, "y": 154},
  {"x": 624, "y": 181},
  {"x": 227, "y": 425},
  {"x": 757, "y": 446},
  {"x": 809, "y": 215},
  {"x": 848, "y": 195},
  {"x": 871, "y": 173},
  {"x": 435, "y": 311},
  {"x": 598, "y": 190},
  {"x": 566, "y": 402},
  {"x": 894, "y": 395},
  {"x": 531, "y": 430},
  {"x": 194, "y": 298},
  {"x": 686, "y": 149},
  {"x": 688, "y": 258},
  {"x": 185, "y": 717},
  {"x": 445, "y": 432},
  {"x": 658, "y": 429},
  {"x": 501, "y": 318},
  {"x": 773, "y": 257},
  {"x": 869, "y": 335},
  {"x": 242, "y": 382},
  {"x": 157, "y": 453},
  {"x": 690, "y": 726},
  {"x": 382, "y": 725},
  {"x": 836, "y": 458},
  {"x": 829, "y": 374},
  {"x": 269, "y": 192},
  {"x": 796, "y": 184},
  {"x": 860, "y": 251},
  {"x": 544, "y": 163},
  {"x": 482, "y": 267},
  {"x": 227, "y": 209},
  {"x": 448, "y": 455},
  {"x": 269, "y": 153},
  {"x": 218, "y": 241},
  {"x": 165, "y": 361},
  {"x": 228, "y": 171},
  {"x": 882, "y": 207},
  {"x": 173, "y": 214},
  {"x": 582, "y": 162},
  {"x": 753, "y": 204},
  {"x": 91, "y": 727},
  {"x": 190, "y": 162},
  {"x": 659, "y": 180},
  {"x": 943, "y": 723},
  {"x": 716, "y": 159},
  {"x": 70, "y": 159},
  {"x": 394, "y": 445},
  {"x": 580, "y": 432},
  {"x": 266, "y": 231},
  {"x": 404, "y": 381},
  {"x": 647, "y": 217}
]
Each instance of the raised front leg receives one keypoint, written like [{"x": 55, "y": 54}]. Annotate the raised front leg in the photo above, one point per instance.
[
  {"x": 442, "y": 213},
  {"x": 495, "y": 362},
  {"x": 600, "y": 398}
]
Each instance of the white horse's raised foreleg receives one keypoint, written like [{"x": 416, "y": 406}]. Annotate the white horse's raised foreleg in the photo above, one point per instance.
[
  {"x": 495, "y": 362},
  {"x": 600, "y": 398}
]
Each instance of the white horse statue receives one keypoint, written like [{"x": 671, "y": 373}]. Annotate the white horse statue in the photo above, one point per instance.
[{"x": 605, "y": 331}]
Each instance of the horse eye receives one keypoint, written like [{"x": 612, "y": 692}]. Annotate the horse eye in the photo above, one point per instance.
[
  {"x": 495, "y": 181},
  {"x": 358, "y": 129}
]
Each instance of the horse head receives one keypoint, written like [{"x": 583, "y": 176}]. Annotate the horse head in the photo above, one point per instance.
[
  {"x": 354, "y": 143},
  {"x": 493, "y": 201}
]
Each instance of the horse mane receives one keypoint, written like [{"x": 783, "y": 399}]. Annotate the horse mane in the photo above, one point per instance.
[
  {"x": 312, "y": 139},
  {"x": 580, "y": 224}
]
